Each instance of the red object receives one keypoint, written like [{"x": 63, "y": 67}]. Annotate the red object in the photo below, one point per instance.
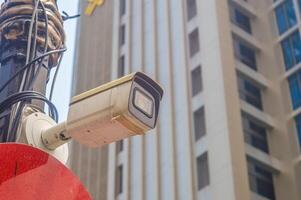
[{"x": 27, "y": 173}]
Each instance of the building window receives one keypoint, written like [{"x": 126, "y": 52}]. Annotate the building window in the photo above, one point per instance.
[
  {"x": 250, "y": 93},
  {"x": 122, "y": 7},
  {"x": 245, "y": 54},
  {"x": 122, "y": 35},
  {"x": 199, "y": 123},
  {"x": 121, "y": 67},
  {"x": 255, "y": 134},
  {"x": 285, "y": 16},
  {"x": 241, "y": 20},
  {"x": 191, "y": 9},
  {"x": 261, "y": 181},
  {"x": 298, "y": 125},
  {"x": 203, "y": 171},
  {"x": 119, "y": 180},
  {"x": 194, "y": 43},
  {"x": 119, "y": 146},
  {"x": 291, "y": 47},
  {"x": 196, "y": 81},
  {"x": 295, "y": 89}
]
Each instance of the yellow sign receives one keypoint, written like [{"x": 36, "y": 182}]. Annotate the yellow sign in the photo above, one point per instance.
[{"x": 92, "y": 5}]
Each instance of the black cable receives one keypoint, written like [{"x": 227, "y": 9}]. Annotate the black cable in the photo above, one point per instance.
[
  {"x": 28, "y": 95},
  {"x": 28, "y": 71},
  {"x": 45, "y": 46},
  {"x": 29, "y": 64},
  {"x": 22, "y": 70},
  {"x": 67, "y": 17},
  {"x": 55, "y": 77},
  {"x": 33, "y": 52}
]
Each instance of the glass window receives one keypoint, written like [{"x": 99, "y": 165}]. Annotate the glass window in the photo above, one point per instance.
[
  {"x": 241, "y": 20},
  {"x": 285, "y": 16},
  {"x": 122, "y": 35},
  {"x": 196, "y": 79},
  {"x": 191, "y": 9},
  {"x": 245, "y": 54},
  {"x": 291, "y": 48},
  {"x": 261, "y": 180},
  {"x": 203, "y": 171},
  {"x": 250, "y": 93},
  {"x": 298, "y": 126},
  {"x": 295, "y": 89},
  {"x": 122, "y": 7},
  {"x": 119, "y": 146},
  {"x": 119, "y": 180},
  {"x": 121, "y": 67},
  {"x": 194, "y": 43},
  {"x": 199, "y": 123},
  {"x": 255, "y": 134}
]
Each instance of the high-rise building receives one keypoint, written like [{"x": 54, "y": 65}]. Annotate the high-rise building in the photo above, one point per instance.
[
  {"x": 230, "y": 122},
  {"x": 92, "y": 68}
]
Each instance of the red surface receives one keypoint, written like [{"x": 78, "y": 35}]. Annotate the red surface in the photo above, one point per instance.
[{"x": 26, "y": 173}]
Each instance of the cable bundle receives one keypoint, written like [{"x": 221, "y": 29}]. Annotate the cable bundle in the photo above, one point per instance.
[
  {"x": 44, "y": 39},
  {"x": 28, "y": 96}
]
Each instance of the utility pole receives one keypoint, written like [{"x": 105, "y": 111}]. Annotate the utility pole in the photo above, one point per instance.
[{"x": 32, "y": 43}]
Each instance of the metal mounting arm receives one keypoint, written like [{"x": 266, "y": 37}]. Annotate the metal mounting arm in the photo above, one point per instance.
[{"x": 55, "y": 136}]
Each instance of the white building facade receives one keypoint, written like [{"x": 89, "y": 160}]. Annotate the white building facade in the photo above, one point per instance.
[{"x": 228, "y": 127}]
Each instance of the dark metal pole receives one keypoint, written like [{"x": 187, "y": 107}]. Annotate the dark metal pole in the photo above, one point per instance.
[{"x": 47, "y": 34}]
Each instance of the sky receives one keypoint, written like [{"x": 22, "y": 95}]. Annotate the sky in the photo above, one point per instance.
[{"x": 62, "y": 92}]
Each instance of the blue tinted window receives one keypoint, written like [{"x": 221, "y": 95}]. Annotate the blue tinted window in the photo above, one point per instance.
[
  {"x": 247, "y": 56},
  {"x": 295, "y": 88},
  {"x": 297, "y": 46},
  {"x": 255, "y": 134},
  {"x": 250, "y": 93},
  {"x": 285, "y": 16},
  {"x": 253, "y": 95},
  {"x": 281, "y": 19},
  {"x": 298, "y": 126},
  {"x": 291, "y": 47},
  {"x": 261, "y": 180},
  {"x": 245, "y": 53},
  {"x": 242, "y": 20},
  {"x": 290, "y": 11}
]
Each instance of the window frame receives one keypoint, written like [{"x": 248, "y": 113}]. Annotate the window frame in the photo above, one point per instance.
[
  {"x": 121, "y": 67},
  {"x": 122, "y": 7},
  {"x": 246, "y": 94},
  {"x": 202, "y": 164},
  {"x": 250, "y": 132},
  {"x": 258, "y": 172},
  {"x": 245, "y": 54},
  {"x": 199, "y": 123},
  {"x": 119, "y": 180},
  {"x": 196, "y": 81},
  {"x": 191, "y": 10},
  {"x": 241, "y": 19},
  {"x": 283, "y": 16},
  {"x": 194, "y": 42}
]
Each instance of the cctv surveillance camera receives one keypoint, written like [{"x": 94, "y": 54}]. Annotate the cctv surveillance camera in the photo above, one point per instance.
[
  {"x": 122, "y": 108},
  {"x": 125, "y": 107}
]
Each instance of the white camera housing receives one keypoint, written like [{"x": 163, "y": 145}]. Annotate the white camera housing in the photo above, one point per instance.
[{"x": 122, "y": 108}]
